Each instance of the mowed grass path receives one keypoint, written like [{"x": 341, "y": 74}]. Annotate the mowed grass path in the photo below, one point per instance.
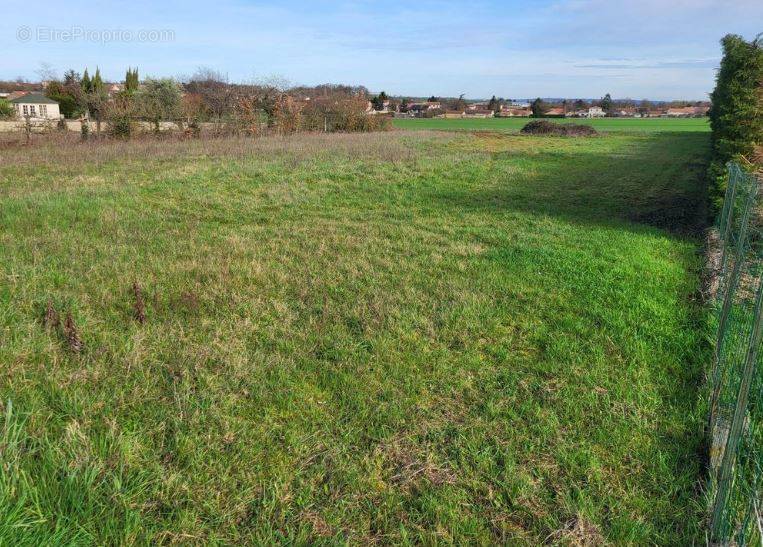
[
  {"x": 389, "y": 337},
  {"x": 511, "y": 125}
]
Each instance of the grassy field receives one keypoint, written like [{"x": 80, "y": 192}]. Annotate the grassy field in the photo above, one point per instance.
[
  {"x": 511, "y": 125},
  {"x": 406, "y": 337}
]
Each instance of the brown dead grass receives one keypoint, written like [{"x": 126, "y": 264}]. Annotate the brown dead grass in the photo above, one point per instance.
[
  {"x": 411, "y": 463},
  {"x": 71, "y": 334},
  {"x": 577, "y": 532},
  {"x": 65, "y": 150},
  {"x": 319, "y": 525},
  {"x": 51, "y": 319}
]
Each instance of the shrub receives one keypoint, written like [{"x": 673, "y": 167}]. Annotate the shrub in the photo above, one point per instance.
[
  {"x": 346, "y": 114},
  {"x": 159, "y": 100},
  {"x": 120, "y": 116},
  {"x": 120, "y": 127},
  {"x": 7, "y": 112},
  {"x": 286, "y": 115},
  {"x": 249, "y": 117},
  {"x": 193, "y": 129},
  {"x": 84, "y": 128},
  {"x": 545, "y": 127}
]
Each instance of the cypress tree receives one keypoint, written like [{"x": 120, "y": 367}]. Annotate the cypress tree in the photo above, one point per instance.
[
  {"x": 131, "y": 80},
  {"x": 86, "y": 83},
  {"x": 606, "y": 103},
  {"x": 97, "y": 83},
  {"x": 538, "y": 107}
]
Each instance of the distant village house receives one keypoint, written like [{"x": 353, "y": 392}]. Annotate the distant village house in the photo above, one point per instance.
[
  {"x": 36, "y": 106},
  {"x": 452, "y": 114},
  {"x": 479, "y": 113},
  {"x": 688, "y": 111},
  {"x": 515, "y": 112}
]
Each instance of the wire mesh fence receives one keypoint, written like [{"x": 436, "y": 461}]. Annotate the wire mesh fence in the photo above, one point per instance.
[{"x": 736, "y": 401}]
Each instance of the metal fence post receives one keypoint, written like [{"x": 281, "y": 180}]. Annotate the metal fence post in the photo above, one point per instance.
[{"x": 726, "y": 217}]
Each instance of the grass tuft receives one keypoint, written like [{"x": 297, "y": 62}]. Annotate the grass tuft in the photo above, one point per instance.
[
  {"x": 139, "y": 305},
  {"x": 51, "y": 319},
  {"x": 71, "y": 334}
]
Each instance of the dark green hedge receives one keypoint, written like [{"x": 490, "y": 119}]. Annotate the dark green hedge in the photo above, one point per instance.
[{"x": 736, "y": 116}]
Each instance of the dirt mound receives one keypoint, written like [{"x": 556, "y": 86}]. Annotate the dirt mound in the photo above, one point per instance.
[{"x": 544, "y": 127}]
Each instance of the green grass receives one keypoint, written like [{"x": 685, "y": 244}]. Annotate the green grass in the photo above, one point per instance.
[
  {"x": 647, "y": 125},
  {"x": 353, "y": 338}
]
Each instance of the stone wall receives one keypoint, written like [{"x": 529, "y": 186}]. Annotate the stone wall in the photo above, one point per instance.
[{"x": 75, "y": 125}]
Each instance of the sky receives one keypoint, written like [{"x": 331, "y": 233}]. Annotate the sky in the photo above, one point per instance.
[{"x": 558, "y": 48}]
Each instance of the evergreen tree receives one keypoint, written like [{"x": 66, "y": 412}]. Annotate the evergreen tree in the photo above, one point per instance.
[
  {"x": 379, "y": 100},
  {"x": 131, "y": 81},
  {"x": 606, "y": 104},
  {"x": 71, "y": 78},
  {"x": 68, "y": 102},
  {"x": 97, "y": 83},
  {"x": 538, "y": 107},
  {"x": 494, "y": 105},
  {"x": 86, "y": 83},
  {"x": 69, "y": 94},
  {"x": 94, "y": 96}
]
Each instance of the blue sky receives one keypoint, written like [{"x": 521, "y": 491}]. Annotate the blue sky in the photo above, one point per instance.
[{"x": 572, "y": 48}]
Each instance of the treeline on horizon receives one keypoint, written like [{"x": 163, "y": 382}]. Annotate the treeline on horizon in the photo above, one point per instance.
[
  {"x": 67, "y": 93},
  {"x": 206, "y": 97},
  {"x": 22, "y": 84}
]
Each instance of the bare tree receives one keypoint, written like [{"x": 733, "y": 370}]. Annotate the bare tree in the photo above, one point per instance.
[{"x": 46, "y": 72}]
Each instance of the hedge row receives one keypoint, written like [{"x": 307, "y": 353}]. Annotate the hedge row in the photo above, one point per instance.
[{"x": 736, "y": 116}]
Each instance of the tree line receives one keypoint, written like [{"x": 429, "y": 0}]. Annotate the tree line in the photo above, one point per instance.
[{"x": 208, "y": 98}]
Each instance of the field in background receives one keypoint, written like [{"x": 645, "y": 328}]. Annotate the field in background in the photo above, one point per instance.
[
  {"x": 515, "y": 124},
  {"x": 378, "y": 337}
]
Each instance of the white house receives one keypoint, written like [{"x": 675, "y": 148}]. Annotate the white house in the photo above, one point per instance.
[
  {"x": 36, "y": 106},
  {"x": 596, "y": 112}
]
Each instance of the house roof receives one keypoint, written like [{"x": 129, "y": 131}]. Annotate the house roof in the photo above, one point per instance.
[
  {"x": 33, "y": 98},
  {"x": 423, "y": 106},
  {"x": 689, "y": 110}
]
